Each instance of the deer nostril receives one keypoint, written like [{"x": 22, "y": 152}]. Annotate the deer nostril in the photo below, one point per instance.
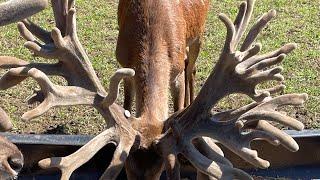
[{"x": 16, "y": 164}]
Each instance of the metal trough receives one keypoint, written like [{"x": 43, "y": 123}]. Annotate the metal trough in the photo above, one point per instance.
[{"x": 304, "y": 164}]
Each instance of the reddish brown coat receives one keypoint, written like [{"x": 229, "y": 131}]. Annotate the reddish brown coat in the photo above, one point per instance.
[{"x": 153, "y": 36}]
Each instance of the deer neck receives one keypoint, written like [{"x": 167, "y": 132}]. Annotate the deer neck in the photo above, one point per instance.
[
  {"x": 144, "y": 10},
  {"x": 152, "y": 86},
  {"x": 151, "y": 50},
  {"x": 149, "y": 53}
]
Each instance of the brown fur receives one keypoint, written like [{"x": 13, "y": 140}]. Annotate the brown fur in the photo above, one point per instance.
[
  {"x": 152, "y": 40},
  {"x": 195, "y": 13}
]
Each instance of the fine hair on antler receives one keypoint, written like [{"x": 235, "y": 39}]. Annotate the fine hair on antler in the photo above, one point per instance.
[
  {"x": 83, "y": 88},
  {"x": 15, "y": 10},
  {"x": 235, "y": 72},
  {"x": 11, "y": 160},
  {"x": 5, "y": 123},
  {"x": 12, "y": 11},
  {"x": 192, "y": 132}
]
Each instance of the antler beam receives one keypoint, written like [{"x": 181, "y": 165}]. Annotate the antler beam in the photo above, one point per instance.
[
  {"x": 74, "y": 65},
  {"x": 192, "y": 132},
  {"x": 83, "y": 87},
  {"x": 236, "y": 72}
]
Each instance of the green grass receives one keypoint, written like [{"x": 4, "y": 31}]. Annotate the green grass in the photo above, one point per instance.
[{"x": 297, "y": 21}]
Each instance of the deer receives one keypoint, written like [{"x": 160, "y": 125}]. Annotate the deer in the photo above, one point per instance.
[
  {"x": 151, "y": 142},
  {"x": 180, "y": 26},
  {"x": 165, "y": 33}
]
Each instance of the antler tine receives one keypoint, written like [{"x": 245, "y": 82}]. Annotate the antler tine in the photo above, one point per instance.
[
  {"x": 245, "y": 20},
  {"x": 60, "y": 11},
  {"x": 114, "y": 85},
  {"x": 54, "y": 95},
  {"x": 84, "y": 88},
  {"x": 172, "y": 166},
  {"x": 119, "y": 133},
  {"x": 27, "y": 28},
  {"x": 240, "y": 143},
  {"x": 233, "y": 114},
  {"x": 71, "y": 28},
  {"x": 7, "y": 62},
  {"x": 11, "y": 78},
  {"x": 70, "y": 163},
  {"x": 72, "y": 3},
  {"x": 229, "y": 43},
  {"x": 241, "y": 14},
  {"x": 64, "y": 45},
  {"x": 65, "y": 6},
  {"x": 209, "y": 149},
  {"x": 210, "y": 167},
  {"x": 119, "y": 157},
  {"x": 266, "y": 111},
  {"x": 237, "y": 72},
  {"x": 277, "y": 117},
  {"x": 256, "y": 29},
  {"x": 16, "y": 10},
  {"x": 5, "y": 123},
  {"x": 283, "y": 138},
  {"x": 236, "y": 30},
  {"x": 25, "y": 33}
]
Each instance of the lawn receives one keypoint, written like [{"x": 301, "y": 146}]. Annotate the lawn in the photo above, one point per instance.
[{"x": 297, "y": 21}]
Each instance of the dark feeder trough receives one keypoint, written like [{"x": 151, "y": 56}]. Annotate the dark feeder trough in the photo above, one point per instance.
[{"x": 303, "y": 164}]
